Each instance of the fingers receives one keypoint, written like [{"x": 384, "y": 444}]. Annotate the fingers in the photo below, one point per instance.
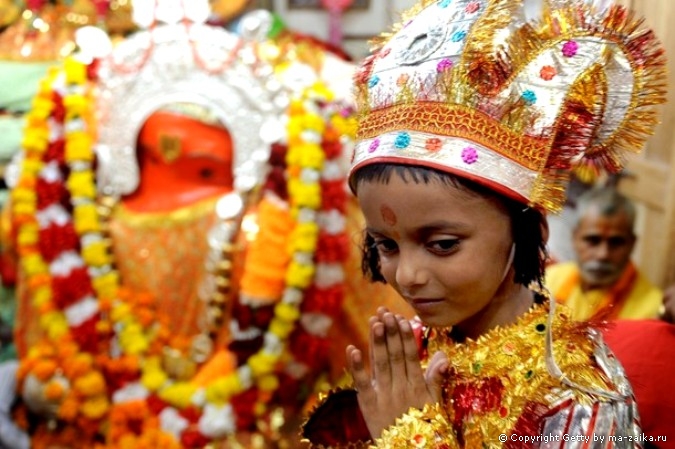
[
  {"x": 371, "y": 323},
  {"x": 362, "y": 380},
  {"x": 435, "y": 374},
  {"x": 380, "y": 356},
  {"x": 395, "y": 349},
  {"x": 411, "y": 352}
]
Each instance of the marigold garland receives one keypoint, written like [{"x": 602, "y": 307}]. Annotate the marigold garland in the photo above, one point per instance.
[{"x": 69, "y": 274}]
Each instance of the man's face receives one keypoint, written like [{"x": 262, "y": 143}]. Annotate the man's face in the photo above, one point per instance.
[{"x": 603, "y": 244}]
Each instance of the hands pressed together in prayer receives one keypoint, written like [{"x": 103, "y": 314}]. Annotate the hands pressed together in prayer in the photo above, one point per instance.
[{"x": 395, "y": 381}]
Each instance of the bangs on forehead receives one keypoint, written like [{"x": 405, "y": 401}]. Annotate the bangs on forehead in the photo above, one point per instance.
[{"x": 381, "y": 173}]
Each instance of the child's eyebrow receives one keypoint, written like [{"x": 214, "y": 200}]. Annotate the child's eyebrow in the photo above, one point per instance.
[{"x": 440, "y": 225}]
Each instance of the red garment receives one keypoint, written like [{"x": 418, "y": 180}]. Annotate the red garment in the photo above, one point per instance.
[{"x": 646, "y": 349}]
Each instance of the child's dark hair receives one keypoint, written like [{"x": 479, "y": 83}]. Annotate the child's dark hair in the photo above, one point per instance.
[{"x": 526, "y": 223}]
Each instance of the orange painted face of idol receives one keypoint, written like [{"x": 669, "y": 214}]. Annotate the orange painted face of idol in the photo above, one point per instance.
[
  {"x": 603, "y": 244},
  {"x": 443, "y": 248}
]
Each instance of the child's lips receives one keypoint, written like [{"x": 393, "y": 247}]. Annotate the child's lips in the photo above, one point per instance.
[{"x": 424, "y": 303}]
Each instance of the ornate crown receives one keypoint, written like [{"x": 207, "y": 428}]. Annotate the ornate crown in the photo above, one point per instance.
[{"x": 512, "y": 94}]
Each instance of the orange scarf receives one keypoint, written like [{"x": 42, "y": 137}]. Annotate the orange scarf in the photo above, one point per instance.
[{"x": 614, "y": 298}]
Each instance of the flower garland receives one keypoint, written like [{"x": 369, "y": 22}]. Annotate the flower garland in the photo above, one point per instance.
[
  {"x": 313, "y": 270},
  {"x": 56, "y": 248},
  {"x": 65, "y": 258}
]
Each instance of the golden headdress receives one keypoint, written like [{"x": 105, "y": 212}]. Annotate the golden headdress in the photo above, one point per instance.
[{"x": 510, "y": 93}]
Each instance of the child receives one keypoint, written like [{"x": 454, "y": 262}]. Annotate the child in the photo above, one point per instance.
[{"x": 472, "y": 116}]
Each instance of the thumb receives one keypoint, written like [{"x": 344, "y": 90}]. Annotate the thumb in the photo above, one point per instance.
[{"x": 435, "y": 374}]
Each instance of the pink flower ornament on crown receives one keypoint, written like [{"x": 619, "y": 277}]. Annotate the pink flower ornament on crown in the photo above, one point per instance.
[{"x": 508, "y": 98}]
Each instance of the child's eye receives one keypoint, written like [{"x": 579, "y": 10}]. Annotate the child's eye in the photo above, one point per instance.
[
  {"x": 443, "y": 247},
  {"x": 385, "y": 246}
]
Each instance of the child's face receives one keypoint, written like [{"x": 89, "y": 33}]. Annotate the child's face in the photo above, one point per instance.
[{"x": 445, "y": 250}]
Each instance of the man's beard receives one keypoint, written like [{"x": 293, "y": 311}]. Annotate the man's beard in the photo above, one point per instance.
[{"x": 600, "y": 273}]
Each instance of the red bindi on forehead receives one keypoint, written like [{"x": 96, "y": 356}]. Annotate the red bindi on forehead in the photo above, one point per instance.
[{"x": 388, "y": 215}]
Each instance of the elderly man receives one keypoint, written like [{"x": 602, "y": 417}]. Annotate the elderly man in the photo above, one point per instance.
[{"x": 603, "y": 283}]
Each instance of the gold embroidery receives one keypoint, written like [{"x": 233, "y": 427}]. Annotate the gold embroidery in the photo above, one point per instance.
[
  {"x": 509, "y": 364},
  {"x": 457, "y": 121}
]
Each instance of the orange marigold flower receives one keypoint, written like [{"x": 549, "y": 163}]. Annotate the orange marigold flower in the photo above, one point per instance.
[
  {"x": 77, "y": 366},
  {"x": 145, "y": 316},
  {"x": 54, "y": 390},
  {"x": 433, "y": 144},
  {"x": 91, "y": 384},
  {"x": 69, "y": 408},
  {"x": 95, "y": 407},
  {"x": 548, "y": 72},
  {"x": 45, "y": 369}
]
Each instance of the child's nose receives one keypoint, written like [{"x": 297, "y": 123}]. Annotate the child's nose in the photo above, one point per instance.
[{"x": 410, "y": 271}]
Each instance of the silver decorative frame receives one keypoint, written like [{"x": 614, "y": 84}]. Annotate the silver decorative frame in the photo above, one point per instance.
[{"x": 177, "y": 63}]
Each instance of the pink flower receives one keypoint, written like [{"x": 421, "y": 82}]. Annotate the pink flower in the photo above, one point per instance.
[
  {"x": 374, "y": 145},
  {"x": 443, "y": 65},
  {"x": 570, "y": 48},
  {"x": 469, "y": 155},
  {"x": 472, "y": 7}
]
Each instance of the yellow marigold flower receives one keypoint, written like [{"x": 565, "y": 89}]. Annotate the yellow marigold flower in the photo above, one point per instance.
[
  {"x": 299, "y": 275},
  {"x": 345, "y": 126},
  {"x": 41, "y": 107},
  {"x": 24, "y": 209},
  {"x": 106, "y": 285},
  {"x": 23, "y": 195},
  {"x": 308, "y": 155},
  {"x": 304, "y": 237},
  {"x": 262, "y": 363},
  {"x": 33, "y": 264},
  {"x": 179, "y": 394},
  {"x": 153, "y": 379},
  {"x": 135, "y": 346},
  {"x": 35, "y": 139},
  {"x": 120, "y": 312},
  {"x": 55, "y": 324},
  {"x": 286, "y": 312},
  {"x": 321, "y": 91},
  {"x": 28, "y": 234},
  {"x": 95, "y": 407},
  {"x": 281, "y": 328},
  {"x": 31, "y": 166},
  {"x": 79, "y": 146},
  {"x": 96, "y": 254},
  {"x": 268, "y": 382},
  {"x": 259, "y": 409},
  {"x": 304, "y": 195},
  {"x": 42, "y": 296},
  {"x": 132, "y": 339},
  {"x": 82, "y": 184},
  {"x": 91, "y": 384},
  {"x": 85, "y": 217},
  {"x": 76, "y": 72},
  {"x": 220, "y": 390},
  {"x": 313, "y": 122},
  {"x": 294, "y": 126},
  {"x": 76, "y": 105}
]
